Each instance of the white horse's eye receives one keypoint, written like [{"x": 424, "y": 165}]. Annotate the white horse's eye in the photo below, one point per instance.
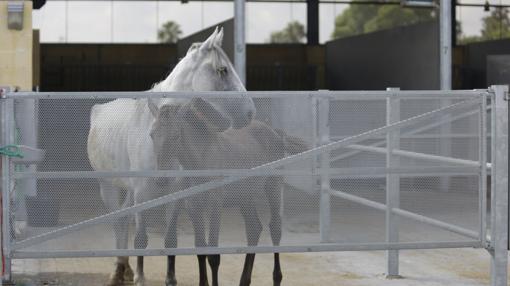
[{"x": 222, "y": 71}]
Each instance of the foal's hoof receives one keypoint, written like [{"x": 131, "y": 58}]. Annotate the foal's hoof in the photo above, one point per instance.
[{"x": 170, "y": 282}]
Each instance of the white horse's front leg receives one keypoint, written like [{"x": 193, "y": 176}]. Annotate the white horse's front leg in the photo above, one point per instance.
[
  {"x": 141, "y": 238},
  {"x": 111, "y": 196}
]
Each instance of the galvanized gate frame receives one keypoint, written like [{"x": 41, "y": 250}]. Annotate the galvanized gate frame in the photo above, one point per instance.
[{"x": 496, "y": 244}]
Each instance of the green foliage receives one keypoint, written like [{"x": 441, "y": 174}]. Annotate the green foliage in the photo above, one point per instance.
[
  {"x": 169, "y": 32},
  {"x": 497, "y": 25},
  {"x": 359, "y": 19},
  {"x": 494, "y": 26},
  {"x": 293, "y": 33}
]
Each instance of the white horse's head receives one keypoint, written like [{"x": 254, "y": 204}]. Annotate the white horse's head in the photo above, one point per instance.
[{"x": 206, "y": 67}]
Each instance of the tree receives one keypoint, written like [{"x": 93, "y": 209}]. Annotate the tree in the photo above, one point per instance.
[
  {"x": 169, "y": 32},
  {"x": 494, "y": 26},
  {"x": 293, "y": 33},
  {"x": 359, "y": 19}
]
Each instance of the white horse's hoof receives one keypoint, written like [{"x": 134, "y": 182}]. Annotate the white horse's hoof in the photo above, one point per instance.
[{"x": 139, "y": 280}]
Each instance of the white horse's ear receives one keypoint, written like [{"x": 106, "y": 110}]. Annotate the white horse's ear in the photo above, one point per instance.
[
  {"x": 219, "y": 38},
  {"x": 208, "y": 44},
  {"x": 152, "y": 107}
]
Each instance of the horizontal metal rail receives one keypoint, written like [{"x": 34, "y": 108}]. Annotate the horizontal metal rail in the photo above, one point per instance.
[
  {"x": 247, "y": 249},
  {"x": 407, "y": 214},
  {"x": 366, "y": 171},
  {"x": 221, "y": 182},
  {"x": 345, "y": 95},
  {"x": 416, "y": 155},
  {"x": 424, "y": 136}
]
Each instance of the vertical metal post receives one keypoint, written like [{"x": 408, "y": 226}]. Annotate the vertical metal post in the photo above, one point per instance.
[
  {"x": 312, "y": 22},
  {"x": 445, "y": 42},
  {"x": 240, "y": 39},
  {"x": 325, "y": 197},
  {"x": 445, "y": 72},
  {"x": 392, "y": 182},
  {"x": 482, "y": 180},
  {"x": 499, "y": 198},
  {"x": 7, "y": 118},
  {"x": 26, "y": 120}
]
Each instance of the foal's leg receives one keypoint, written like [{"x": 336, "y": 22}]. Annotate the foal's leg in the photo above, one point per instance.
[
  {"x": 113, "y": 201},
  {"x": 253, "y": 229},
  {"x": 196, "y": 214},
  {"x": 171, "y": 241},
  {"x": 214, "y": 231},
  {"x": 273, "y": 189}
]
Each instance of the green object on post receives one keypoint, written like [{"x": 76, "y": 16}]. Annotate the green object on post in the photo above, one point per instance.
[{"x": 11, "y": 151}]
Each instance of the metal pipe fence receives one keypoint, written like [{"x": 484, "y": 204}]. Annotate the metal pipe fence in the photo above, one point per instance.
[{"x": 357, "y": 164}]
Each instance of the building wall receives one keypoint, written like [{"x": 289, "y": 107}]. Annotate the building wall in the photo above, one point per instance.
[
  {"x": 16, "y": 50},
  {"x": 104, "y": 67},
  {"x": 108, "y": 54},
  {"x": 75, "y": 67},
  {"x": 228, "y": 39},
  {"x": 405, "y": 57},
  {"x": 474, "y": 67}
]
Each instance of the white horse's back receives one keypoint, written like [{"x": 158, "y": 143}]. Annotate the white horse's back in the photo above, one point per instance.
[{"x": 116, "y": 128}]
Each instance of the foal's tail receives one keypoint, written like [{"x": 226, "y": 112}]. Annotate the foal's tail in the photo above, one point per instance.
[{"x": 292, "y": 144}]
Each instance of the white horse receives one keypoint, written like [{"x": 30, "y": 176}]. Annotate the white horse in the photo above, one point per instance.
[{"x": 119, "y": 140}]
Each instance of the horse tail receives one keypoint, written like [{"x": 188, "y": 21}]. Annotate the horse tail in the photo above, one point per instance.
[{"x": 292, "y": 144}]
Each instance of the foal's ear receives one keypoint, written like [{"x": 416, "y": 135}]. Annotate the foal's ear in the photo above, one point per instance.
[
  {"x": 208, "y": 44},
  {"x": 152, "y": 107}
]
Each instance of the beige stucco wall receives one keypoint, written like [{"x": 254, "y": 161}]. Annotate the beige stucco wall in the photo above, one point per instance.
[{"x": 16, "y": 50}]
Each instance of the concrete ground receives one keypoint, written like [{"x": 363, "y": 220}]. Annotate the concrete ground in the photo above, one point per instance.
[
  {"x": 423, "y": 267},
  {"x": 351, "y": 223}
]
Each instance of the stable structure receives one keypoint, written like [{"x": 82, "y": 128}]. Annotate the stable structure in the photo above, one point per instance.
[{"x": 379, "y": 182}]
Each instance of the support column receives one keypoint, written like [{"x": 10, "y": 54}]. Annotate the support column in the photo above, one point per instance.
[
  {"x": 445, "y": 71},
  {"x": 392, "y": 182},
  {"x": 7, "y": 137},
  {"x": 240, "y": 39},
  {"x": 445, "y": 42},
  {"x": 499, "y": 198},
  {"x": 312, "y": 22}
]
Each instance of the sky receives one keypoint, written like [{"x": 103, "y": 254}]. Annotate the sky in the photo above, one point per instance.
[{"x": 137, "y": 21}]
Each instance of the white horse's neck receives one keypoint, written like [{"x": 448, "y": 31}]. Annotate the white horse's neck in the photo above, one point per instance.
[{"x": 180, "y": 79}]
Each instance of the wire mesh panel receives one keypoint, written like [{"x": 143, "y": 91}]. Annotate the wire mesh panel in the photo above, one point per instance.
[{"x": 182, "y": 175}]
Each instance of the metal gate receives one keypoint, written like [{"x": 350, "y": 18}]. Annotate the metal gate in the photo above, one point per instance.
[{"x": 377, "y": 170}]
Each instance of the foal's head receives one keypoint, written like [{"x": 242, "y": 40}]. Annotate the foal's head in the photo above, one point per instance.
[{"x": 184, "y": 127}]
